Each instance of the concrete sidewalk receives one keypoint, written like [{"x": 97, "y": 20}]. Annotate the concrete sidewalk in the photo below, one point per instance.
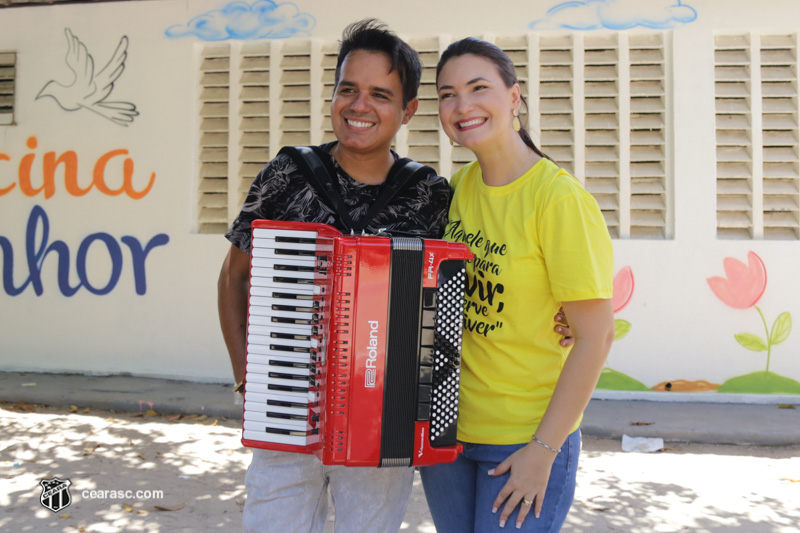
[{"x": 695, "y": 422}]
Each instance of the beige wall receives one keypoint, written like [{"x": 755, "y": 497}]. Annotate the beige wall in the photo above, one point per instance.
[{"x": 679, "y": 329}]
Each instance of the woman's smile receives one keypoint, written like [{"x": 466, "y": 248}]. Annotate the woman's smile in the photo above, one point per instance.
[{"x": 471, "y": 123}]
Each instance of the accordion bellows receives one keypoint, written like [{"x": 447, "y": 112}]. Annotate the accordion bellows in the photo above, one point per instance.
[{"x": 353, "y": 345}]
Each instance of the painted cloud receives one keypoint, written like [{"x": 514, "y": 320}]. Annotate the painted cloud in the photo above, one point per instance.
[
  {"x": 239, "y": 20},
  {"x": 616, "y": 15}
]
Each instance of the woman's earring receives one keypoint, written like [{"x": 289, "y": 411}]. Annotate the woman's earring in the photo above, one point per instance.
[
  {"x": 515, "y": 124},
  {"x": 452, "y": 143}
]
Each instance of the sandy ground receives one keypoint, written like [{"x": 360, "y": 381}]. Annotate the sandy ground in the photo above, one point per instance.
[{"x": 154, "y": 472}]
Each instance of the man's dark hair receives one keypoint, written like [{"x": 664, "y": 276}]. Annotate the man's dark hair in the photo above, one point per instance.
[{"x": 374, "y": 36}]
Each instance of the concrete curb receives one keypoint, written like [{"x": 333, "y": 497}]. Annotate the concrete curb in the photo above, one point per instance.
[
  {"x": 120, "y": 393},
  {"x": 705, "y": 423},
  {"x": 708, "y": 423}
]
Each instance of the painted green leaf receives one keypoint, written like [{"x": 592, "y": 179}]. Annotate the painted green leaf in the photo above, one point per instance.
[
  {"x": 781, "y": 328},
  {"x": 751, "y": 342},
  {"x": 621, "y": 328}
]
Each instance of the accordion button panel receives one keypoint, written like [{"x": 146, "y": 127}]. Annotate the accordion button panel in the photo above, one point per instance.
[
  {"x": 446, "y": 353},
  {"x": 282, "y": 339}
]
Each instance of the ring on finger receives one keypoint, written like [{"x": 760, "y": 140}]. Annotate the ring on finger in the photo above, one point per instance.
[{"x": 527, "y": 502}]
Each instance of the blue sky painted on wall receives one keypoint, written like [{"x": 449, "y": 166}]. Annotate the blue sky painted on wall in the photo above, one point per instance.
[
  {"x": 616, "y": 15},
  {"x": 264, "y": 19}
]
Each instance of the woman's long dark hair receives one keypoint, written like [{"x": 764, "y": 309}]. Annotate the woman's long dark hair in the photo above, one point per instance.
[{"x": 505, "y": 68}]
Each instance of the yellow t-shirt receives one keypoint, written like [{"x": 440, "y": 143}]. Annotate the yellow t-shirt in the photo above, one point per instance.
[{"x": 538, "y": 241}]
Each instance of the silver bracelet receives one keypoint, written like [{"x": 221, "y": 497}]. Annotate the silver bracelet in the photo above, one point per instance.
[{"x": 546, "y": 447}]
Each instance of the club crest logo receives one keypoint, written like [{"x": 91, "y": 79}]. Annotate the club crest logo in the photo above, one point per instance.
[{"x": 55, "y": 494}]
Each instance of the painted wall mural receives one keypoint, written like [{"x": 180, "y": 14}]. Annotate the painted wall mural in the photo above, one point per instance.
[
  {"x": 67, "y": 161},
  {"x": 616, "y": 15},
  {"x": 37, "y": 251},
  {"x": 611, "y": 379},
  {"x": 88, "y": 89},
  {"x": 38, "y": 246},
  {"x": 742, "y": 288},
  {"x": 264, "y": 19}
]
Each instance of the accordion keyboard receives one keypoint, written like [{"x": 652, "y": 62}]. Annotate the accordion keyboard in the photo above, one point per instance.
[{"x": 283, "y": 344}]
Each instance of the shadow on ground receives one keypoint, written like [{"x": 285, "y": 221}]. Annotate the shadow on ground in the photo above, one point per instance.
[
  {"x": 189, "y": 473},
  {"x": 127, "y": 473}
]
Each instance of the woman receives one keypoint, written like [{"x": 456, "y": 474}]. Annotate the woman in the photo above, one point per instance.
[{"x": 540, "y": 242}]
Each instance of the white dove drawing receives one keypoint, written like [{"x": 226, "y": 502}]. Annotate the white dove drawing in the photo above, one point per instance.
[{"x": 89, "y": 90}]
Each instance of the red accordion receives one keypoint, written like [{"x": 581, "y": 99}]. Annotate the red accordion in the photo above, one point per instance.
[{"x": 353, "y": 345}]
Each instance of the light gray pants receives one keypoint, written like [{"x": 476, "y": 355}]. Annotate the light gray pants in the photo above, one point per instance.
[{"x": 288, "y": 493}]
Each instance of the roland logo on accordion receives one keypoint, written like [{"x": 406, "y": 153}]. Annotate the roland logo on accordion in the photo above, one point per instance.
[
  {"x": 372, "y": 354},
  {"x": 353, "y": 345}
]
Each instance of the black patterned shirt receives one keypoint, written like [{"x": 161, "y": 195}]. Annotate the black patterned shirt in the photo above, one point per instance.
[{"x": 280, "y": 192}]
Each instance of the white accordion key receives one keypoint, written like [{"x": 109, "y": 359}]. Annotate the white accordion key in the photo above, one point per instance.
[
  {"x": 298, "y": 288},
  {"x": 293, "y": 355},
  {"x": 302, "y": 293},
  {"x": 276, "y": 407},
  {"x": 261, "y": 393},
  {"x": 267, "y": 311},
  {"x": 277, "y": 422},
  {"x": 291, "y": 372},
  {"x": 301, "y": 306},
  {"x": 262, "y": 435},
  {"x": 297, "y": 261},
  {"x": 257, "y": 320},
  {"x": 268, "y": 233},
  {"x": 278, "y": 341},
  {"x": 291, "y": 329},
  {"x": 268, "y": 272}
]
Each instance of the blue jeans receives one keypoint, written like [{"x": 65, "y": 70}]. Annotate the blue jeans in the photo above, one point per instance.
[{"x": 460, "y": 494}]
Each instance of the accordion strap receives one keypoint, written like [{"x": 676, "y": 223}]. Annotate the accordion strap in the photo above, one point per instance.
[{"x": 315, "y": 164}]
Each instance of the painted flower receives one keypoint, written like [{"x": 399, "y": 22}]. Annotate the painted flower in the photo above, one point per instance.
[
  {"x": 742, "y": 289},
  {"x": 623, "y": 288},
  {"x": 743, "y": 285}
]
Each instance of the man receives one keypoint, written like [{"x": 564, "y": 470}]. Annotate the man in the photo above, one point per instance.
[{"x": 375, "y": 93}]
